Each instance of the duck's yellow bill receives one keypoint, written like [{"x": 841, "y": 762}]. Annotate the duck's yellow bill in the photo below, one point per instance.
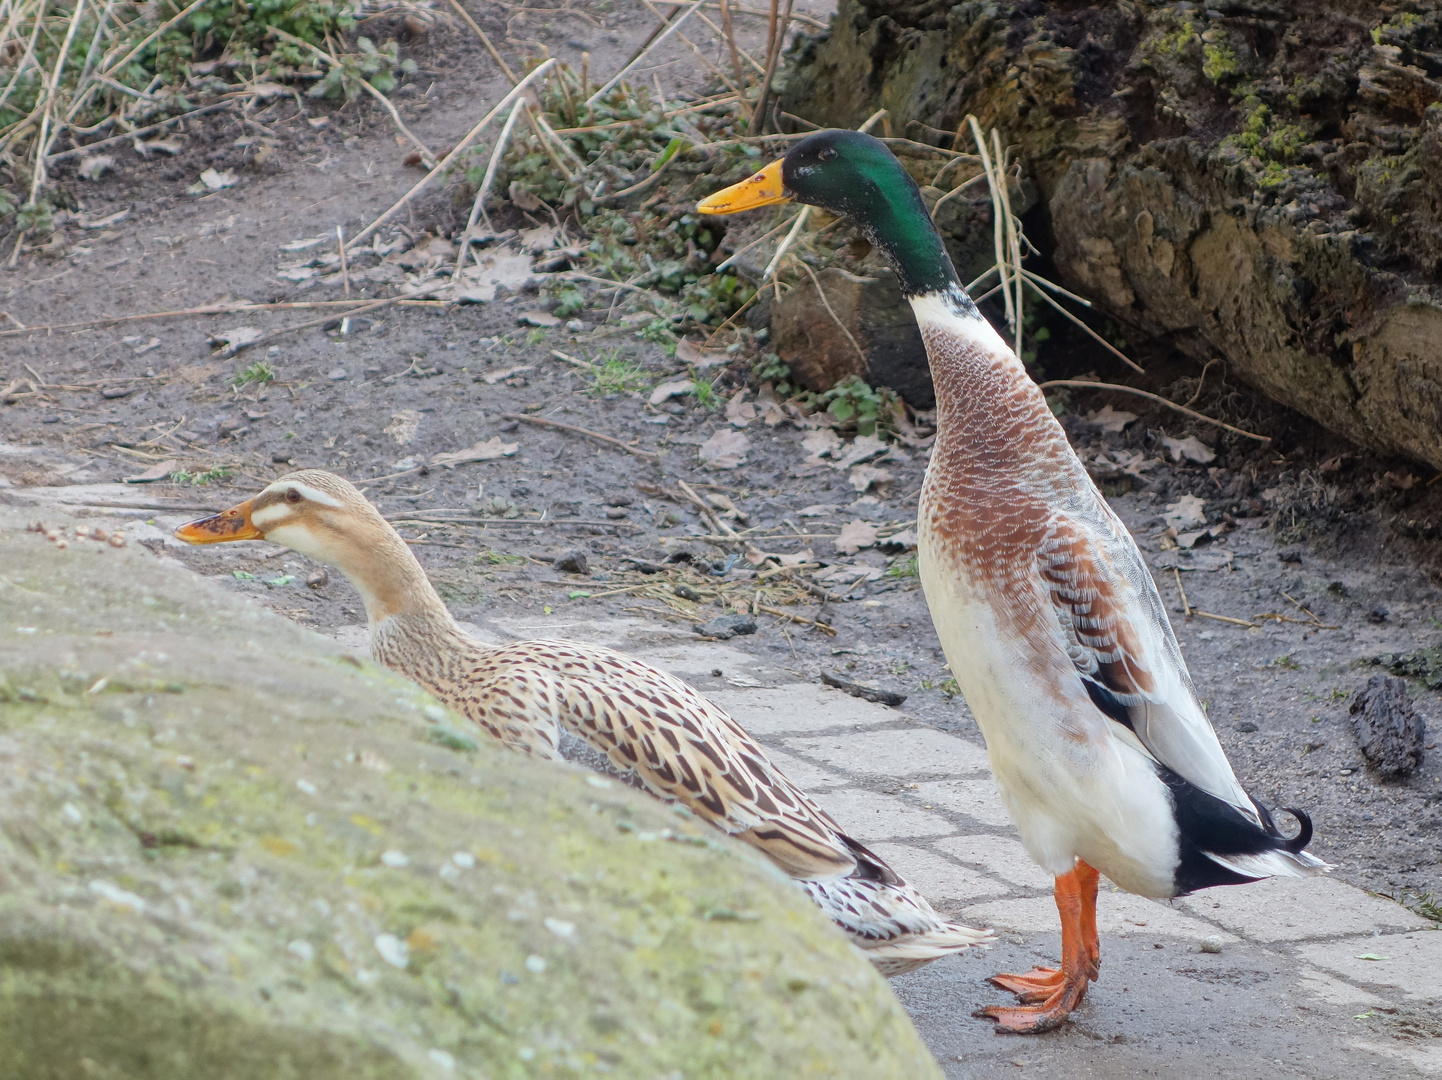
[
  {"x": 232, "y": 524},
  {"x": 762, "y": 189}
]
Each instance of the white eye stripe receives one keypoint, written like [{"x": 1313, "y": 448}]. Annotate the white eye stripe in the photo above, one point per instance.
[
  {"x": 314, "y": 495},
  {"x": 267, "y": 516}
]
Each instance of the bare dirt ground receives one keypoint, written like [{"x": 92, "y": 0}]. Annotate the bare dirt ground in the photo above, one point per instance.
[{"x": 1323, "y": 557}]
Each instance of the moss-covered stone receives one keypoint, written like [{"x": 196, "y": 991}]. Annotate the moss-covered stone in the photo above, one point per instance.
[
  {"x": 1258, "y": 181},
  {"x": 228, "y": 851}
]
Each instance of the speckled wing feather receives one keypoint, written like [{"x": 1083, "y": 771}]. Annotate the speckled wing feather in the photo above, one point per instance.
[
  {"x": 1117, "y": 635},
  {"x": 676, "y": 742}
]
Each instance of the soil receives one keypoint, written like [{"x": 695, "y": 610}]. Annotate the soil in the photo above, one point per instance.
[{"x": 1331, "y": 556}]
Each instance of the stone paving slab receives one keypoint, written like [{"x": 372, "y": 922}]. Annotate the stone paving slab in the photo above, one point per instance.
[
  {"x": 1409, "y": 963},
  {"x": 894, "y": 754},
  {"x": 1300, "y": 909},
  {"x": 974, "y": 796}
]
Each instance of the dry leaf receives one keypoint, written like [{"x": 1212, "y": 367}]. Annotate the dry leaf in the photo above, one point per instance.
[
  {"x": 841, "y": 574},
  {"x": 489, "y": 450},
  {"x": 211, "y": 180},
  {"x": 855, "y": 536},
  {"x": 495, "y": 271},
  {"x": 1109, "y": 419},
  {"x": 1185, "y": 513},
  {"x": 688, "y": 352},
  {"x": 171, "y": 145},
  {"x": 493, "y": 377},
  {"x": 92, "y": 168},
  {"x": 154, "y": 473},
  {"x": 538, "y": 318},
  {"x": 1191, "y": 448},
  {"x": 232, "y": 341},
  {"x": 667, "y": 390},
  {"x": 819, "y": 443},
  {"x": 523, "y": 197},
  {"x": 906, "y": 540},
  {"x": 725, "y": 450},
  {"x": 740, "y": 411},
  {"x": 816, "y": 510},
  {"x": 772, "y": 414},
  {"x": 541, "y": 238},
  {"x": 864, "y": 448},
  {"x": 403, "y": 426},
  {"x": 863, "y": 476}
]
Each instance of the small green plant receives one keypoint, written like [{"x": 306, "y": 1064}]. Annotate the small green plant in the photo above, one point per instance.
[
  {"x": 853, "y": 401},
  {"x": 200, "y": 479},
  {"x": 570, "y": 301},
  {"x": 705, "y": 395},
  {"x": 904, "y": 566},
  {"x": 534, "y": 336},
  {"x": 1428, "y": 905},
  {"x": 1218, "y": 62},
  {"x": 659, "y": 331},
  {"x": 497, "y": 558},
  {"x": 1287, "y": 662},
  {"x": 258, "y": 372},
  {"x": 619, "y": 375},
  {"x": 947, "y": 686}
]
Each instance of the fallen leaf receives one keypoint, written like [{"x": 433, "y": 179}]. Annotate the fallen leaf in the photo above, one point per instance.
[
  {"x": 489, "y": 450},
  {"x": 688, "y": 352},
  {"x": 725, "y": 450},
  {"x": 864, "y": 448},
  {"x": 755, "y": 556},
  {"x": 154, "y": 473},
  {"x": 92, "y": 168},
  {"x": 819, "y": 443},
  {"x": 538, "y": 318},
  {"x": 232, "y": 341},
  {"x": 906, "y": 540},
  {"x": 855, "y": 536},
  {"x": 863, "y": 476},
  {"x": 667, "y": 390},
  {"x": 210, "y": 180},
  {"x": 297, "y": 274},
  {"x": 772, "y": 414},
  {"x": 740, "y": 411},
  {"x": 403, "y": 426},
  {"x": 478, "y": 283},
  {"x": 842, "y": 574},
  {"x": 541, "y": 238},
  {"x": 1191, "y": 448},
  {"x": 1185, "y": 513},
  {"x": 1109, "y": 419},
  {"x": 171, "y": 145},
  {"x": 493, "y": 377},
  {"x": 1372, "y": 956},
  {"x": 816, "y": 510},
  {"x": 305, "y": 244},
  {"x": 522, "y": 197},
  {"x": 105, "y": 222}
]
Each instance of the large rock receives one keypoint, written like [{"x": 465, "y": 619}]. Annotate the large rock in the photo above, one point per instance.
[
  {"x": 228, "y": 851},
  {"x": 1255, "y": 180}
]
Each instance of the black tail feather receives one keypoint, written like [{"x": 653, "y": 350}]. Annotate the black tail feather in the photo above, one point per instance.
[{"x": 1298, "y": 843}]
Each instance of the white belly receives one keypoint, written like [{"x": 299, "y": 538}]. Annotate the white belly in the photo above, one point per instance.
[{"x": 1071, "y": 788}]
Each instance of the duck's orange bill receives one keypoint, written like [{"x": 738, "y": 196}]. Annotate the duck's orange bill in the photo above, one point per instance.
[
  {"x": 232, "y": 524},
  {"x": 762, "y": 189}
]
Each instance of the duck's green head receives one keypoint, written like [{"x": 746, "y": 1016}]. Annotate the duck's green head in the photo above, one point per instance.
[{"x": 855, "y": 176}]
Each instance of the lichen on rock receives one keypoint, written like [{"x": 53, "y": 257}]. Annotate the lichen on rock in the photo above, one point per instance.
[{"x": 228, "y": 850}]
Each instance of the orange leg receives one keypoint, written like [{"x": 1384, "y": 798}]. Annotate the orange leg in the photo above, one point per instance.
[{"x": 1048, "y": 995}]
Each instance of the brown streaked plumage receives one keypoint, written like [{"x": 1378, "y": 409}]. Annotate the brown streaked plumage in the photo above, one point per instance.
[{"x": 563, "y": 700}]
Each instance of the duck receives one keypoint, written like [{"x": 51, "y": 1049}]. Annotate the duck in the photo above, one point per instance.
[
  {"x": 1100, "y": 750},
  {"x": 593, "y": 706}
]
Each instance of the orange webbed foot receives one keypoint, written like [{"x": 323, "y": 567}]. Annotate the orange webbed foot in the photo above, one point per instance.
[{"x": 1036, "y": 985}]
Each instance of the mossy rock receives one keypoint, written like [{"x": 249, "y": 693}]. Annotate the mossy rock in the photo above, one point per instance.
[{"x": 229, "y": 851}]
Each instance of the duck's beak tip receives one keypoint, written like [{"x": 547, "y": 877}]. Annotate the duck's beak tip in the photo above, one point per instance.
[
  {"x": 764, "y": 188},
  {"x": 232, "y": 524}
]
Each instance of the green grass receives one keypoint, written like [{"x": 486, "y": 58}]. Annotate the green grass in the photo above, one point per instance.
[
  {"x": 947, "y": 686},
  {"x": 1286, "y": 661},
  {"x": 903, "y": 566},
  {"x": 200, "y": 479},
  {"x": 259, "y": 372},
  {"x": 619, "y": 375},
  {"x": 496, "y": 558}
]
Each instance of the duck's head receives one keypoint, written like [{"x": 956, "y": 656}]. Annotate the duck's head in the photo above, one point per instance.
[
  {"x": 325, "y": 517},
  {"x": 855, "y": 176}
]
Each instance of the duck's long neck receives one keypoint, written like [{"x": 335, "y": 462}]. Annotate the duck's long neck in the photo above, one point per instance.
[
  {"x": 993, "y": 423},
  {"x": 409, "y": 624}
]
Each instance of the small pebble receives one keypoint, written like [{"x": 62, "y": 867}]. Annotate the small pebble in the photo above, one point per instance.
[
  {"x": 1212, "y": 943},
  {"x": 395, "y": 859},
  {"x": 393, "y": 950},
  {"x": 318, "y": 579},
  {"x": 337, "y": 374},
  {"x": 575, "y": 326},
  {"x": 117, "y": 540},
  {"x": 574, "y": 561},
  {"x": 535, "y": 964}
]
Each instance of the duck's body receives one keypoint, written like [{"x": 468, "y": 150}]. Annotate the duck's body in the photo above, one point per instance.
[
  {"x": 563, "y": 700},
  {"x": 1046, "y": 612}
]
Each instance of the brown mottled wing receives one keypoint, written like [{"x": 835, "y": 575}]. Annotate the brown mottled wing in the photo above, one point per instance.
[
  {"x": 1118, "y": 637},
  {"x": 683, "y": 747}
]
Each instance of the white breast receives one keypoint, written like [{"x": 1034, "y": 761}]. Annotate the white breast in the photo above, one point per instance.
[{"x": 1073, "y": 790}]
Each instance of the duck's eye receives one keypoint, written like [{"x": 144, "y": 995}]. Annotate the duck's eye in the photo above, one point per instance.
[
  {"x": 827, "y": 154},
  {"x": 292, "y": 496}
]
